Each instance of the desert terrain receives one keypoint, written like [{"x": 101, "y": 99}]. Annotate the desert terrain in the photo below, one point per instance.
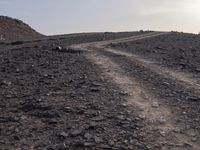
[{"x": 120, "y": 91}]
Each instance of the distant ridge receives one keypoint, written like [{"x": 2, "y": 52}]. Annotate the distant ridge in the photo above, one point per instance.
[{"x": 14, "y": 29}]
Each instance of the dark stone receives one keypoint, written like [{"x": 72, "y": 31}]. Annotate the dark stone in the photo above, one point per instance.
[
  {"x": 94, "y": 89},
  {"x": 188, "y": 146},
  {"x": 17, "y": 43},
  {"x": 98, "y": 139},
  {"x": 88, "y": 144},
  {"x": 61, "y": 146},
  {"x": 76, "y": 132},
  {"x": 52, "y": 121},
  {"x": 45, "y": 114},
  {"x": 197, "y": 70},
  {"x": 63, "y": 135},
  {"x": 88, "y": 136},
  {"x": 93, "y": 125},
  {"x": 99, "y": 118},
  {"x": 194, "y": 98},
  {"x": 31, "y": 107},
  {"x": 75, "y": 110}
]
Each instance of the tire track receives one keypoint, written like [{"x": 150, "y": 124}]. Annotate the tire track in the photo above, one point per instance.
[
  {"x": 85, "y": 46},
  {"x": 159, "y": 116},
  {"x": 182, "y": 78}
]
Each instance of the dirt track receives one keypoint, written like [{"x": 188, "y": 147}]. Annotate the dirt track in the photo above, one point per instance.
[
  {"x": 101, "y": 96},
  {"x": 162, "y": 117}
]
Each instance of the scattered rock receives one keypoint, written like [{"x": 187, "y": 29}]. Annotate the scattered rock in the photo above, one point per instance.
[
  {"x": 76, "y": 110},
  {"x": 98, "y": 139},
  {"x": 9, "y": 119},
  {"x": 166, "y": 83},
  {"x": 163, "y": 133},
  {"x": 88, "y": 136},
  {"x": 121, "y": 117},
  {"x": 184, "y": 113},
  {"x": 155, "y": 104},
  {"x": 194, "y": 139},
  {"x": 93, "y": 125},
  {"x": 194, "y": 98},
  {"x": 162, "y": 120},
  {"x": 124, "y": 93},
  {"x": 99, "y": 118},
  {"x": 17, "y": 43},
  {"x": 52, "y": 121},
  {"x": 63, "y": 135},
  {"x": 159, "y": 47},
  {"x": 65, "y": 50},
  {"x": 76, "y": 132},
  {"x": 7, "y": 83},
  {"x": 88, "y": 144},
  {"x": 187, "y": 145},
  {"x": 104, "y": 146},
  {"x": 59, "y": 48},
  {"x": 96, "y": 84},
  {"x": 197, "y": 70},
  {"x": 61, "y": 146},
  {"x": 94, "y": 89}
]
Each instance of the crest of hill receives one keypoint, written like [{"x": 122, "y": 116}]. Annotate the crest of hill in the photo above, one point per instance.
[{"x": 14, "y": 29}]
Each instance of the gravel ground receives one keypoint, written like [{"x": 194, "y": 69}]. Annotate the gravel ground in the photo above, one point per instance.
[{"x": 57, "y": 98}]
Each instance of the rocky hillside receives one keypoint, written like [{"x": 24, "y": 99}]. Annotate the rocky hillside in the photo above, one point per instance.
[{"x": 13, "y": 29}]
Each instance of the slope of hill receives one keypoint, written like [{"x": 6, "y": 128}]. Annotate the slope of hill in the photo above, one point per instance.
[
  {"x": 12, "y": 29},
  {"x": 101, "y": 91},
  {"x": 97, "y": 91}
]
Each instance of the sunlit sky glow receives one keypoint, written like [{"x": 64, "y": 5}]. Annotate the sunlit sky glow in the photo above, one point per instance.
[{"x": 71, "y": 16}]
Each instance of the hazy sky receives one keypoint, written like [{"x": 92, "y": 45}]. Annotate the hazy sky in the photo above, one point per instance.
[{"x": 69, "y": 16}]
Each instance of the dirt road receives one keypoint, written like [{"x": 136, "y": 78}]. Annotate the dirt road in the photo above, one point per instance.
[{"x": 161, "y": 113}]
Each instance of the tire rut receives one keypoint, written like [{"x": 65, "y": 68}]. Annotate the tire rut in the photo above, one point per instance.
[
  {"x": 85, "y": 46},
  {"x": 175, "y": 102},
  {"x": 160, "y": 117},
  {"x": 183, "y": 78}
]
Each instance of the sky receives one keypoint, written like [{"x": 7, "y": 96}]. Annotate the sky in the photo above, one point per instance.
[{"x": 72, "y": 16}]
